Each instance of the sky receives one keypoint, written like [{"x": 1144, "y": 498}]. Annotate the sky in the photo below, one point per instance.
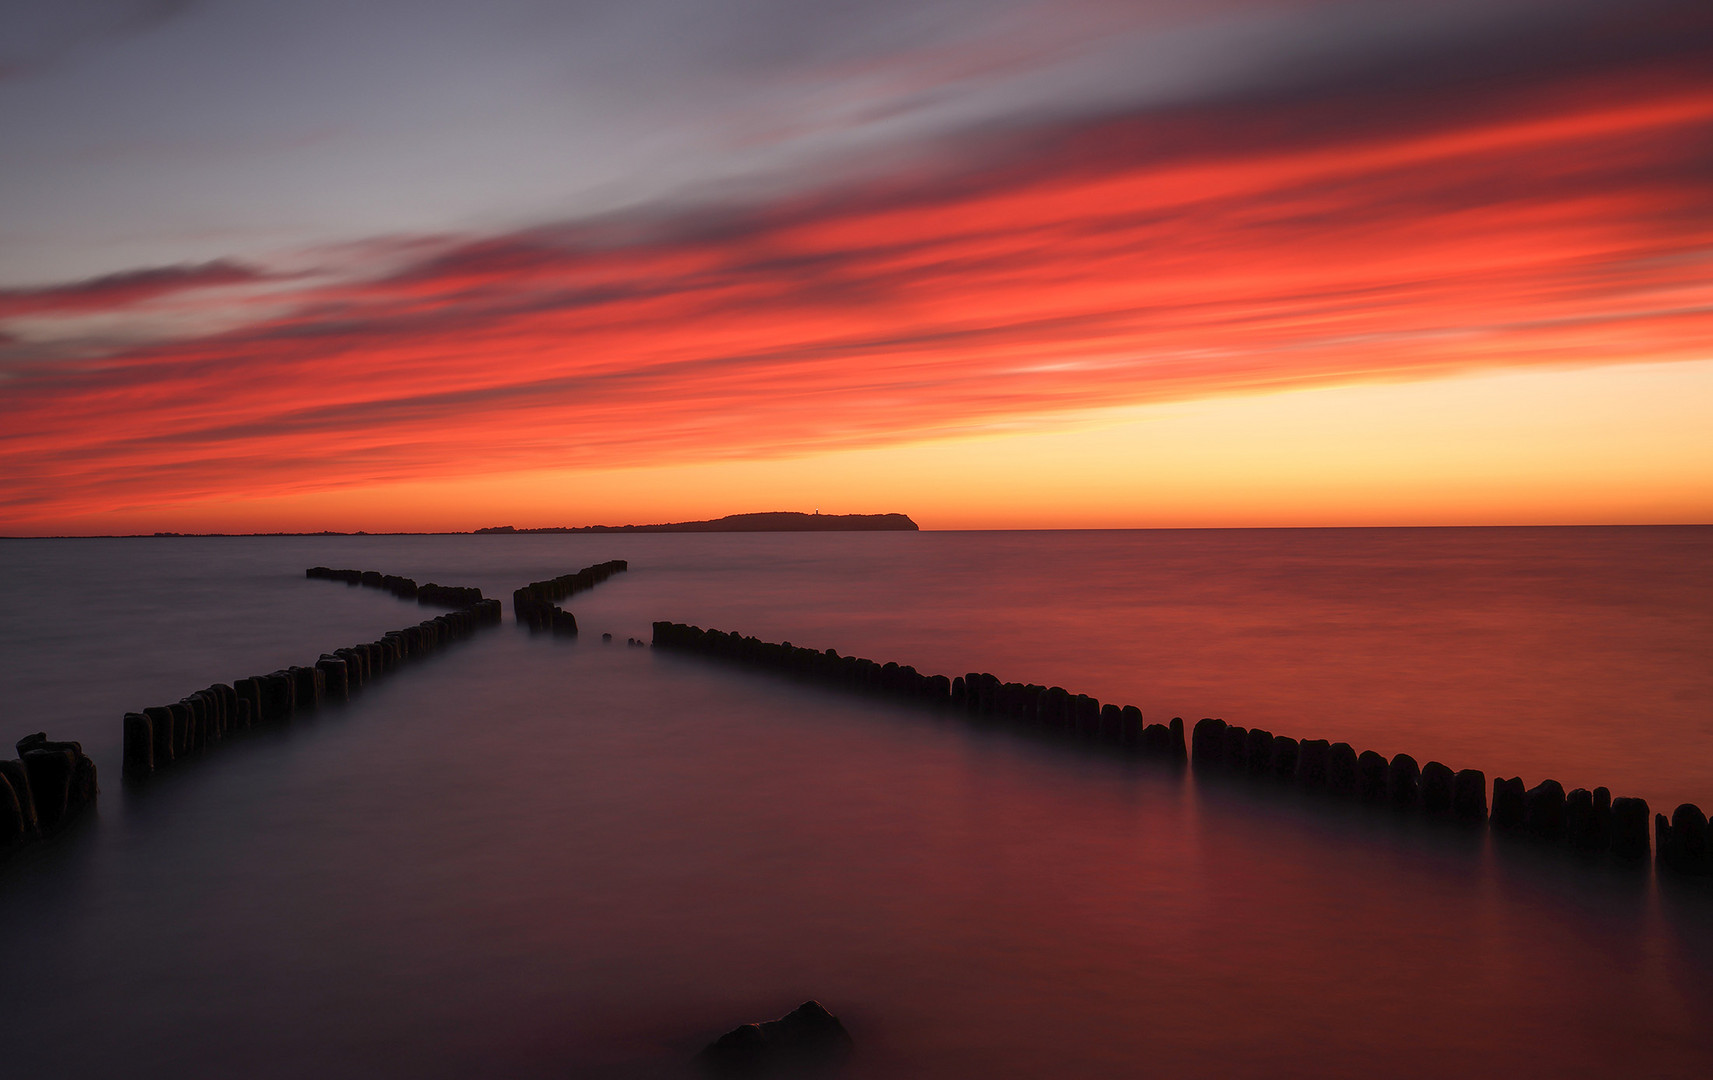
[{"x": 991, "y": 263}]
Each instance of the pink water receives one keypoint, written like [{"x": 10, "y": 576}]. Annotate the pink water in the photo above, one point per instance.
[{"x": 536, "y": 857}]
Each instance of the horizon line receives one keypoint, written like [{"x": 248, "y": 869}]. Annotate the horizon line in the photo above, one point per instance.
[{"x": 609, "y": 530}]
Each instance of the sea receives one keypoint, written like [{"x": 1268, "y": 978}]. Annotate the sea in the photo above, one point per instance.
[{"x": 538, "y": 856}]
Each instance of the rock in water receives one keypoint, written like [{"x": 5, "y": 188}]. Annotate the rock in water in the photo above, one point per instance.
[{"x": 807, "y": 1039}]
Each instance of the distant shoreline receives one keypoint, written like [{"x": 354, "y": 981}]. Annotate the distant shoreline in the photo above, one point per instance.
[
  {"x": 772, "y": 521},
  {"x": 775, "y": 521}
]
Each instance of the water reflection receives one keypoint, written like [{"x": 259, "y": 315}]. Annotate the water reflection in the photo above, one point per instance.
[{"x": 536, "y": 857}]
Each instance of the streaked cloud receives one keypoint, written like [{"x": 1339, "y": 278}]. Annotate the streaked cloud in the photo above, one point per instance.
[
  {"x": 1372, "y": 194},
  {"x": 124, "y": 289},
  {"x": 36, "y": 34}
]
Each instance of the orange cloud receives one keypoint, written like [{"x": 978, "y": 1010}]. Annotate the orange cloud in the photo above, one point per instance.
[{"x": 1154, "y": 258}]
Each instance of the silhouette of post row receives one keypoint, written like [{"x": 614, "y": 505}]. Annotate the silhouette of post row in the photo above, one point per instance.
[
  {"x": 452, "y": 596},
  {"x": 1589, "y": 821},
  {"x": 1583, "y": 820},
  {"x": 977, "y": 693},
  {"x": 535, "y": 606},
  {"x": 160, "y": 737}
]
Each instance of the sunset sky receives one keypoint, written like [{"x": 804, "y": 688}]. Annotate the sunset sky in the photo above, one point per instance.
[{"x": 991, "y": 263}]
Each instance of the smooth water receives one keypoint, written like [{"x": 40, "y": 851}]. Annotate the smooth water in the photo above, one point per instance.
[{"x": 531, "y": 856}]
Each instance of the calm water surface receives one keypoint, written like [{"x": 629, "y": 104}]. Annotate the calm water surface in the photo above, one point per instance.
[{"x": 538, "y": 857}]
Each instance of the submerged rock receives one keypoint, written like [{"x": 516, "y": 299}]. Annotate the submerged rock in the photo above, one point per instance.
[{"x": 807, "y": 1039}]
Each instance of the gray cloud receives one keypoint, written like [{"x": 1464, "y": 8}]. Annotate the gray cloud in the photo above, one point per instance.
[
  {"x": 266, "y": 125},
  {"x": 37, "y": 34},
  {"x": 123, "y": 289}
]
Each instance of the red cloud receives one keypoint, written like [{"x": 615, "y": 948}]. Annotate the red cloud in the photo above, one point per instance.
[{"x": 1146, "y": 258}]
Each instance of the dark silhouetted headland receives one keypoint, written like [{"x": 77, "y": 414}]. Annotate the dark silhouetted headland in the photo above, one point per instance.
[{"x": 775, "y": 521}]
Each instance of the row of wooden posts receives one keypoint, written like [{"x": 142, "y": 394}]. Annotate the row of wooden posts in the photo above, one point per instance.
[
  {"x": 977, "y": 693},
  {"x": 452, "y": 596},
  {"x": 1590, "y": 821},
  {"x": 536, "y": 604},
  {"x": 1587, "y": 821},
  {"x": 50, "y": 783},
  {"x": 162, "y": 736}
]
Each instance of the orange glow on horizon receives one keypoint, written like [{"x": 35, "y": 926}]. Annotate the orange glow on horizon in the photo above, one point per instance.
[{"x": 1612, "y": 445}]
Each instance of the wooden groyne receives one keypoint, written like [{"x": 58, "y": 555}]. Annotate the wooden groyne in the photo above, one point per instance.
[
  {"x": 977, "y": 693},
  {"x": 1590, "y": 822},
  {"x": 536, "y": 604},
  {"x": 452, "y": 596},
  {"x": 160, "y": 737}
]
